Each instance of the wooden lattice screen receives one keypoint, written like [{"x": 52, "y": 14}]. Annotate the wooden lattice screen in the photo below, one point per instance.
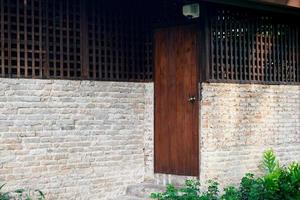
[
  {"x": 252, "y": 46},
  {"x": 75, "y": 39}
]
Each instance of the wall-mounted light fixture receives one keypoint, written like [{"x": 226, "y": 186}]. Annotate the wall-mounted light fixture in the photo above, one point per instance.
[{"x": 191, "y": 11}]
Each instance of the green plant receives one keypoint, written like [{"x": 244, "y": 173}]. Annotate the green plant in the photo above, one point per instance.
[
  {"x": 277, "y": 183},
  {"x": 21, "y": 194}
]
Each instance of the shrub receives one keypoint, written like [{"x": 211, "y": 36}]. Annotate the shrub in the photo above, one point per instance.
[
  {"x": 277, "y": 183},
  {"x": 21, "y": 194}
]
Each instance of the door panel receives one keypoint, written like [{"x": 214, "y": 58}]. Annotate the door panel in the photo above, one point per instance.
[{"x": 176, "y": 144}]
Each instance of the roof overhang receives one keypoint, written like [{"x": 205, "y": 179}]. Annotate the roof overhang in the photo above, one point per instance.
[
  {"x": 280, "y": 6},
  {"x": 287, "y": 3}
]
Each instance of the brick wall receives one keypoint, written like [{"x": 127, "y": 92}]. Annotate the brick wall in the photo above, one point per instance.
[
  {"x": 89, "y": 140},
  {"x": 149, "y": 131},
  {"x": 240, "y": 121},
  {"x": 73, "y": 139}
]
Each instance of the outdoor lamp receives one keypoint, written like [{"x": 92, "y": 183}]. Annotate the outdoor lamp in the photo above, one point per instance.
[{"x": 191, "y": 11}]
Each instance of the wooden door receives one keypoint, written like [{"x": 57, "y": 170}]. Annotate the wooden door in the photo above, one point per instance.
[{"x": 176, "y": 140}]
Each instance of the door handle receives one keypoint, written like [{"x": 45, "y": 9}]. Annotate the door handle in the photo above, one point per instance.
[{"x": 192, "y": 99}]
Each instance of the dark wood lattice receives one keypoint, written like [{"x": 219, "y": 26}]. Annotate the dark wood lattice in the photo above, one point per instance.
[
  {"x": 21, "y": 39},
  {"x": 119, "y": 45},
  {"x": 250, "y": 46},
  {"x": 75, "y": 39}
]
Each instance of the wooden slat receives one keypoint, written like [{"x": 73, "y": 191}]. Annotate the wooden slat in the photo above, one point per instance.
[
  {"x": 278, "y": 56},
  {"x": 270, "y": 54},
  {"x": 74, "y": 42},
  {"x": 46, "y": 73},
  {"x": 221, "y": 64},
  {"x": 2, "y": 74},
  {"x": 240, "y": 51},
  {"x": 68, "y": 37},
  {"x": 235, "y": 51},
  {"x": 294, "y": 77},
  {"x": 9, "y": 39},
  {"x": 244, "y": 49},
  {"x": 122, "y": 55},
  {"x": 84, "y": 39},
  {"x": 212, "y": 49},
  {"x": 254, "y": 50},
  {"x": 32, "y": 40},
  {"x": 104, "y": 48},
  {"x": 40, "y": 40},
  {"x": 18, "y": 39},
  {"x": 249, "y": 32},
  {"x": 218, "y": 34},
  {"x": 274, "y": 44},
  {"x": 283, "y": 76},
  {"x": 61, "y": 40},
  {"x": 99, "y": 39},
  {"x": 54, "y": 40},
  {"x": 226, "y": 47},
  {"x": 297, "y": 53},
  {"x": 93, "y": 17}
]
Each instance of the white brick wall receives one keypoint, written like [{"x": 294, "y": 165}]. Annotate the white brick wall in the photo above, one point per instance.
[
  {"x": 240, "y": 121},
  {"x": 73, "y": 139},
  {"x": 89, "y": 140},
  {"x": 149, "y": 131}
]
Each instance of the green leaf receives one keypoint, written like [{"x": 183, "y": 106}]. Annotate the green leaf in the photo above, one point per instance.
[{"x": 270, "y": 162}]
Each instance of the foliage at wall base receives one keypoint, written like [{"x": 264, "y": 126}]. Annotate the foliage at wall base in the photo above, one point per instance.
[{"x": 277, "y": 183}]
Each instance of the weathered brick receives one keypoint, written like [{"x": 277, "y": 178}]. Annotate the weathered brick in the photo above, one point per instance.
[{"x": 72, "y": 139}]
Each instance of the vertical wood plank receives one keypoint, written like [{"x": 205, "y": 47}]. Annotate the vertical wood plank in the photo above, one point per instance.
[
  {"x": 226, "y": 45},
  {"x": 235, "y": 51},
  {"x": 117, "y": 44},
  {"x": 46, "y": 73},
  {"x": 99, "y": 14},
  {"x": 111, "y": 41},
  {"x": 61, "y": 40},
  {"x": 9, "y": 38},
  {"x": 244, "y": 49},
  {"x": 289, "y": 50},
  {"x": 84, "y": 57},
  {"x": 278, "y": 55},
  {"x": 294, "y": 54},
  {"x": 254, "y": 50},
  {"x": 104, "y": 48},
  {"x": 249, "y": 47},
  {"x": 262, "y": 44},
  {"x": 240, "y": 58},
  {"x": 265, "y": 49},
  {"x": 257, "y": 51},
  {"x": 213, "y": 55},
  {"x": 207, "y": 60},
  {"x": 270, "y": 61},
  {"x": 18, "y": 39},
  {"x": 122, "y": 38},
  {"x": 217, "y": 35},
  {"x": 75, "y": 61},
  {"x": 68, "y": 37},
  {"x": 94, "y": 40},
  {"x": 54, "y": 42},
  {"x": 2, "y": 74},
  {"x": 285, "y": 52},
  {"x": 40, "y": 70},
  {"x": 273, "y": 40},
  {"x": 221, "y": 64},
  {"x": 32, "y": 39},
  {"x": 297, "y": 53}
]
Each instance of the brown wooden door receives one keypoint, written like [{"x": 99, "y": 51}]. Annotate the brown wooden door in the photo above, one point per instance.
[{"x": 176, "y": 140}]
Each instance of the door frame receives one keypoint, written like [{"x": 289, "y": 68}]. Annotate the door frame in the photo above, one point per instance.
[{"x": 198, "y": 94}]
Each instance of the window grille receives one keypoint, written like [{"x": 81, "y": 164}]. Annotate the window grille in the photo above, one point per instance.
[
  {"x": 75, "y": 39},
  {"x": 251, "y": 46}
]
